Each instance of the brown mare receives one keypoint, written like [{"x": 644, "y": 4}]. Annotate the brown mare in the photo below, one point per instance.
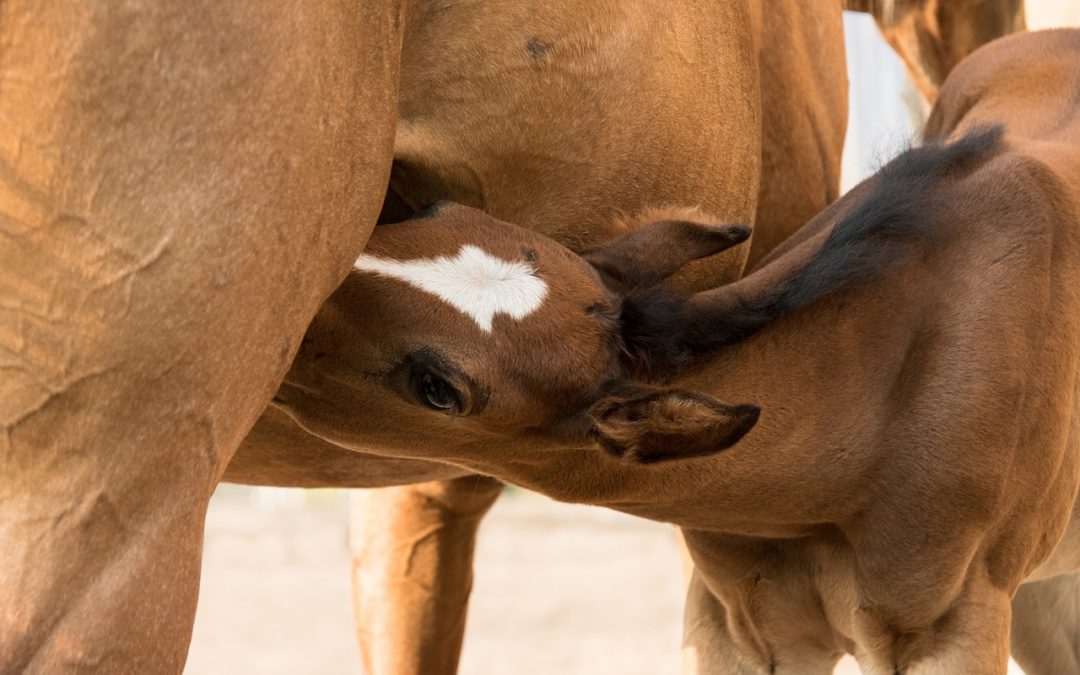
[
  {"x": 182, "y": 183},
  {"x": 870, "y": 442}
]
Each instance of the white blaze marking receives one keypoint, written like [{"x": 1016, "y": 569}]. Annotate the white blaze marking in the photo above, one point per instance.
[{"x": 474, "y": 282}]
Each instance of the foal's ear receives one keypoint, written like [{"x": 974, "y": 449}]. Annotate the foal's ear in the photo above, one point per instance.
[
  {"x": 648, "y": 255},
  {"x": 654, "y": 425}
]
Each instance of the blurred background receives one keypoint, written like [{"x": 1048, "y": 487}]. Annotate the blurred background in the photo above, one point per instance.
[{"x": 559, "y": 589}]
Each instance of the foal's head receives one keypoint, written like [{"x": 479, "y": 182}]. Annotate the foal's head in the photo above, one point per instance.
[{"x": 455, "y": 329}]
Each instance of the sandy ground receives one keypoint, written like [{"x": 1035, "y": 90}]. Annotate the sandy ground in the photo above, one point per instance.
[{"x": 559, "y": 589}]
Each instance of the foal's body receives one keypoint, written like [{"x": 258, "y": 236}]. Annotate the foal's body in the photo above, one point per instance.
[{"x": 915, "y": 359}]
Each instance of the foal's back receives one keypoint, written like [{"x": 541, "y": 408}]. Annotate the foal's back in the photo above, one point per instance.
[
  {"x": 1031, "y": 83},
  {"x": 1029, "y": 249}
]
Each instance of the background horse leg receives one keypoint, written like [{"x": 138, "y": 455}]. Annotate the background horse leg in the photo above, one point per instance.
[
  {"x": 932, "y": 37},
  {"x": 1046, "y": 626},
  {"x": 412, "y": 553},
  {"x": 181, "y": 185}
]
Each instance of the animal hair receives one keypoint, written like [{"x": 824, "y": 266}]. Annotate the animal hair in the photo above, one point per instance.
[{"x": 892, "y": 220}]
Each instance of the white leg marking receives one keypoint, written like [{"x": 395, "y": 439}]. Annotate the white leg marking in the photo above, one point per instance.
[{"x": 476, "y": 283}]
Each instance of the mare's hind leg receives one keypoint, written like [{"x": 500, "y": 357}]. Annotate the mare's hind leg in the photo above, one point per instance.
[
  {"x": 1046, "y": 626},
  {"x": 412, "y": 571},
  {"x": 182, "y": 182}
]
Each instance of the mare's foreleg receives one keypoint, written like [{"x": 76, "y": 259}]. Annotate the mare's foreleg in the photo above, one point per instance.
[{"x": 412, "y": 571}]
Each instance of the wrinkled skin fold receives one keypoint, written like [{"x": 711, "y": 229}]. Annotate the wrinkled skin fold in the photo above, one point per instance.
[{"x": 168, "y": 172}]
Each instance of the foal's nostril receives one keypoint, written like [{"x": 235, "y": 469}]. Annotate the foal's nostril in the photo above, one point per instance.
[{"x": 318, "y": 356}]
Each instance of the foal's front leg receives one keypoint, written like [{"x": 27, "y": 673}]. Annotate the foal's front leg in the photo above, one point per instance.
[
  {"x": 972, "y": 637},
  {"x": 770, "y": 621},
  {"x": 707, "y": 645}
]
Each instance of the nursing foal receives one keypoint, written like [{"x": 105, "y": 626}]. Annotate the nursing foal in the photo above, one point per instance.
[{"x": 870, "y": 442}]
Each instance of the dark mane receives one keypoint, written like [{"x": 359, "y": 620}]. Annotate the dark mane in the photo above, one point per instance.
[{"x": 660, "y": 333}]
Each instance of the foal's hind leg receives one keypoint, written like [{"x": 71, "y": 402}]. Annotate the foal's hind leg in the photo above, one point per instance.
[
  {"x": 1046, "y": 626},
  {"x": 412, "y": 571}
]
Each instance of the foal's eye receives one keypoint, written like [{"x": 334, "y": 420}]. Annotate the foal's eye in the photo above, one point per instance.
[{"x": 436, "y": 393}]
